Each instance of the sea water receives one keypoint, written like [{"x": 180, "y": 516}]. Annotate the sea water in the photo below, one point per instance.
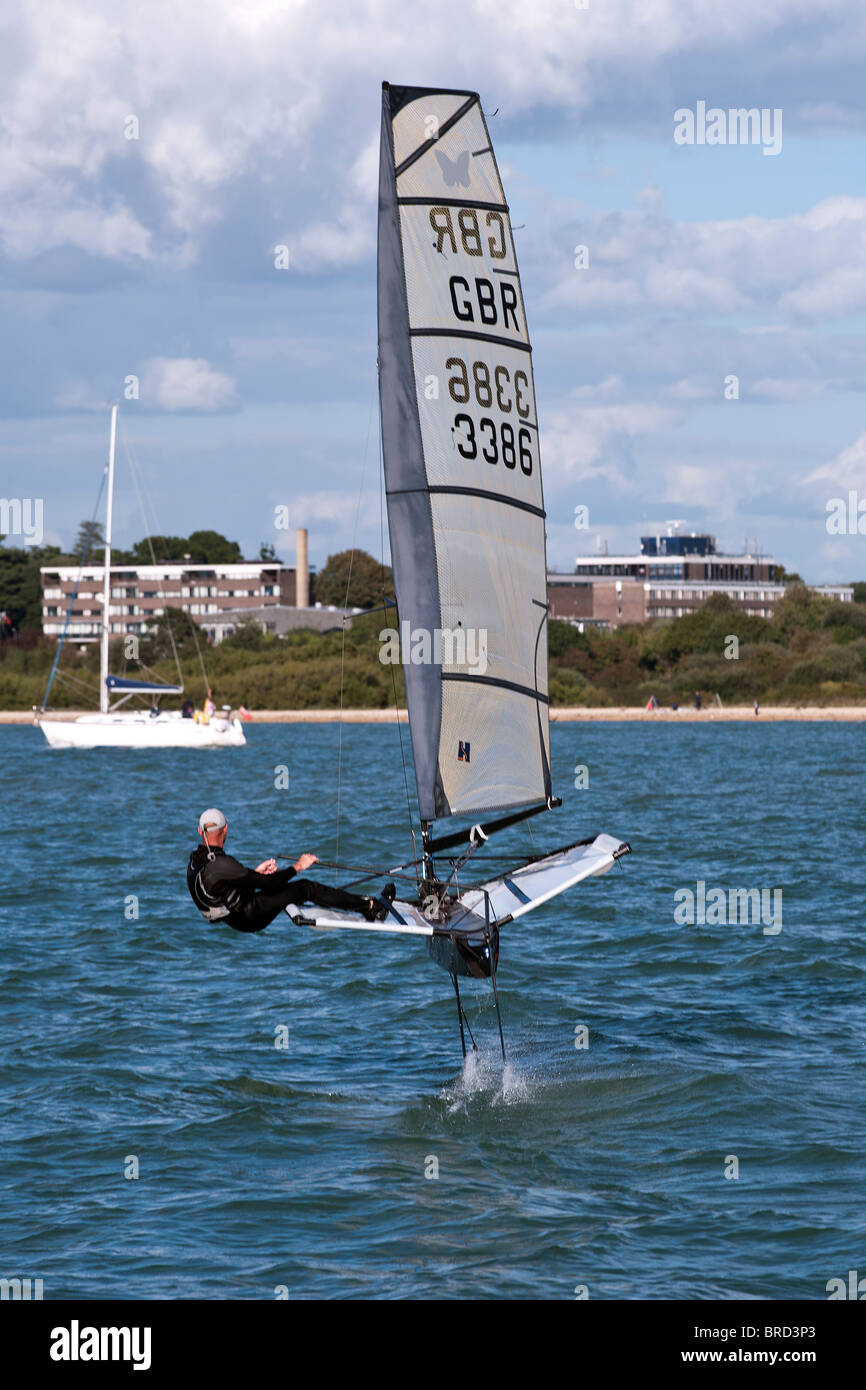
[{"x": 189, "y": 1112}]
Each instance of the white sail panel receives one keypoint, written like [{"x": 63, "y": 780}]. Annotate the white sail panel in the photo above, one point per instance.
[
  {"x": 493, "y": 775},
  {"x": 415, "y": 121},
  {"x": 462, "y": 465},
  {"x": 481, "y": 290},
  {"x": 480, "y": 382}
]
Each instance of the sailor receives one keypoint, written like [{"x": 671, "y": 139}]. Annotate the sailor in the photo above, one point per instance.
[{"x": 223, "y": 889}]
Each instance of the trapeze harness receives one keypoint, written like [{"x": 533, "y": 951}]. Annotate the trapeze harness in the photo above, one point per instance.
[{"x": 212, "y": 909}]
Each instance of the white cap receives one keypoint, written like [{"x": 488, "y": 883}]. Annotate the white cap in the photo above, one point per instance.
[{"x": 212, "y": 819}]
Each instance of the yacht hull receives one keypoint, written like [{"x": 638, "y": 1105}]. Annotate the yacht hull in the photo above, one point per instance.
[{"x": 141, "y": 730}]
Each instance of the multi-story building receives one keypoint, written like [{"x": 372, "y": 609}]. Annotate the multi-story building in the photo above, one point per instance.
[
  {"x": 672, "y": 576},
  {"x": 140, "y": 594}
]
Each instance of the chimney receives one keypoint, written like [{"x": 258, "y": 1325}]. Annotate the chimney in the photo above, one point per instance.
[{"x": 302, "y": 570}]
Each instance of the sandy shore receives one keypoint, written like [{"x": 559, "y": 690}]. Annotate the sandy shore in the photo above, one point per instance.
[{"x": 612, "y": 714}]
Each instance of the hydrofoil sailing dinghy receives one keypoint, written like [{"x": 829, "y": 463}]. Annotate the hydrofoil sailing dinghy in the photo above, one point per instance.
[{"x": 466, "y": 521}]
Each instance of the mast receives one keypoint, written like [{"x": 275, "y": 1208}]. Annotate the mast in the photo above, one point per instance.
[{"x": 106, "y": 586}]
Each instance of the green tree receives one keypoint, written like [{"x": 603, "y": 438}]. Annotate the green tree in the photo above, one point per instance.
[
  {"x": 859, "y": 592},
  {"x": 20, "y": 581},
  {"x": 165, "y": 548},
  {"x": 89, "y": 543},
  {"x": 202, "y": 547},
  {"x": 174, "y": 622},
  {"x": 799, "y": 608},
  {"x": 211, "y": 548},
  {"x": 369, "y": 580}
]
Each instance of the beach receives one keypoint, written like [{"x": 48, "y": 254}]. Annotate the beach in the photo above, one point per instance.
[{"x": 576, "y": 715}]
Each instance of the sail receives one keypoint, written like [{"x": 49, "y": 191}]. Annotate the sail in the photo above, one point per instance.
[{"x": 461, "y": 459}]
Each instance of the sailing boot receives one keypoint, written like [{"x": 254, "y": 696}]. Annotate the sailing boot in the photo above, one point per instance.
[{"x": 384, "y": 901}]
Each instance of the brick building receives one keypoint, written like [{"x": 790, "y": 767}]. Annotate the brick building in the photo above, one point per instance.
[
  {"x": 140, "y": 594},
  {"x": 673, "y": 575}
]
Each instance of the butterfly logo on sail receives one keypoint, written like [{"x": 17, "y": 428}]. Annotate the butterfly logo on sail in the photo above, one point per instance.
[
  {"x": 454, "y": 170},
  {"x": 462, "y": 752}
]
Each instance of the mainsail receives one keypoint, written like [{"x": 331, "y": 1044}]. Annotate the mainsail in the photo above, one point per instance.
[{"x": 461, "y": 458}]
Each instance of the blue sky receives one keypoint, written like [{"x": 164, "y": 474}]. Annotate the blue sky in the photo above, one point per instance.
[{"x": 257, "y": 126}]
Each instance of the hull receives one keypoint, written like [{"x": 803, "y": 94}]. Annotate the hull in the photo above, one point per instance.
[
  {"x": 474, "y": 953},
  {"x": 141, "y": 730},
  {"x": 468, "y": 942}
]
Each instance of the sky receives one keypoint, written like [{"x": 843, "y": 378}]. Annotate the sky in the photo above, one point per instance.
[{"x": 153, "y": 157}]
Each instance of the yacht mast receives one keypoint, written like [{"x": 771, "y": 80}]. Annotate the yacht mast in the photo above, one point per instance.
[{"x": 106, "y": 587}]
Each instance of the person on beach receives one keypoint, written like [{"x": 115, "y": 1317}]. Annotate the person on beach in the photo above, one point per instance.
[{"x": 225, "y": 890}]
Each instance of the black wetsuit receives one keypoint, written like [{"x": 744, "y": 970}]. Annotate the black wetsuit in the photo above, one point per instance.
[{"x": 225, "y": 890}]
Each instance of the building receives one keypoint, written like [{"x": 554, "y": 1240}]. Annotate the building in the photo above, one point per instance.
[
  {"x": 279, "y": 619},
  {"x": 140, "y": 594},
  {"x": 673, "y": 575},
  {"x": 683, "y": 557}
]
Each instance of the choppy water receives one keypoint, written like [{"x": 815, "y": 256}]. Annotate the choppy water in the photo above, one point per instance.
[{"x": 305, "y": 1166}]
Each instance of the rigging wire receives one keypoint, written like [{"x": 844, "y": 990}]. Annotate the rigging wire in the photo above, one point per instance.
[
  {"x": 149, "y": 528},
  {"x": 344, "y": 619},
  {"x": 74, "y": 595},
  {"x": 64, "y": 676}
]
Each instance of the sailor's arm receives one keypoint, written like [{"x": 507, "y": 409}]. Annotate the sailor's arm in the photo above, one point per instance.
[
  {"x": 228, "y": 871},
  {"x": 272, "y": 877}
]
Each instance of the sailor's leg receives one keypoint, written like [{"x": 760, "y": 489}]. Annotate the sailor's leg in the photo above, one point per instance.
[
  {"x": 266, "y": 906},
  {"x": 258, "y": 914},
  {"x": 319, "y": 893}
]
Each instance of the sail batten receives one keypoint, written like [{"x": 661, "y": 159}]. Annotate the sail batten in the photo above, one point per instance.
[{"x": 461, "y": 458}]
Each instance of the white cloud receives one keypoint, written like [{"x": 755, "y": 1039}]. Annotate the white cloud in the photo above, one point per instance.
[
  {"x": 807, "y": 266},
  {"x": 342, "y": 242},
  {"x": 846, "y": 470},
  {"x": 686, "y": 389},
  {"x": 226, "y": 88},
  {"x": 833, "y": 295},
  {"x": 576, "y": 438},
  {"x": 185, "y": 383}
]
